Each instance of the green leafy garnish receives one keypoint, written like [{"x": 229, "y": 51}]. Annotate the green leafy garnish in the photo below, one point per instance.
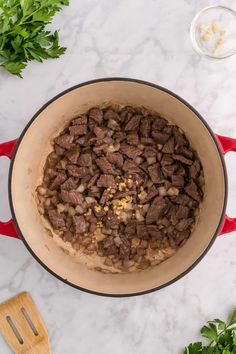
[
  {"x": 22, "y": 32},
  {"x": 222, "y": 338}
]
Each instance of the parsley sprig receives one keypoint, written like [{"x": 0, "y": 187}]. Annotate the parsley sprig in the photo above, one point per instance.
[
  {"x": 222, "y": 338},
  {"x": 22, "y": 32}
]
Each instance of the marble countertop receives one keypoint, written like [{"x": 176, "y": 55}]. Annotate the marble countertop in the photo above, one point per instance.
[{"x": 145, "y": 39}]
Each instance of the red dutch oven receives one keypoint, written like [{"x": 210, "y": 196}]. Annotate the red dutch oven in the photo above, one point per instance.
[{"x": 28, "y": 155}]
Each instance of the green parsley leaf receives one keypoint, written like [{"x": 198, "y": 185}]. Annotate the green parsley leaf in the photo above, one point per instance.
[
  {"x": 233, "y": 318},
  {"x": 194, "y": 348},
  {"x": 221, "y": 336},
  {"x": 209, "y": 332},
  {"x": 221, "y": 324},
  {"x": 23, "y": 36}
]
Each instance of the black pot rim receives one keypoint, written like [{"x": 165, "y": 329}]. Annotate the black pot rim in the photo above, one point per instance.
[{"x": 143, "y": 83}]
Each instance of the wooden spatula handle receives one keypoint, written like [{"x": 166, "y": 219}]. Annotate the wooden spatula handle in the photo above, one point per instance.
[{"x": 23, "y": 327}]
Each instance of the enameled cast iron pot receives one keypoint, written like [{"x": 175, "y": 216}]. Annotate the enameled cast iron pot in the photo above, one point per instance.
[{"x": 28, "y": 154}]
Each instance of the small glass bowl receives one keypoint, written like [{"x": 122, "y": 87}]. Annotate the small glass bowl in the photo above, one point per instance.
[{"x": 218, "y": 44}]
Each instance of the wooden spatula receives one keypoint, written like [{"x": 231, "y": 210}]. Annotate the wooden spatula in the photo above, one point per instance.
[{"x": 23, "y": 327}]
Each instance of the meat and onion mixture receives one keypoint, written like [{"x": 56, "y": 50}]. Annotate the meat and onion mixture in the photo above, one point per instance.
[{"x": 123, "y": 184}]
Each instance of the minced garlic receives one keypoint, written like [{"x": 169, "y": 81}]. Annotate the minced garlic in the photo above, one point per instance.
[{"x": 214, "y": 34}]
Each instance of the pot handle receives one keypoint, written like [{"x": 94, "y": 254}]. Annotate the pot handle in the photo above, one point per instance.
[
  {"x": 8, "y": 228},
  {"x": 227, "y": 144}
]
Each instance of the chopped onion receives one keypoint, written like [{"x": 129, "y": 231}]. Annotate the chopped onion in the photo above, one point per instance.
[
  {"x": 108, "y": 140},
  {"x": 162, "y": 191},
  {"x": 79, "y": 209},
  {"x": 124, "y": 216},
  {"x": 110, "y": 133},
  {"x": 145, "y": 207},
  {"x": 127, "y": 263},
  {"x": 138, "y": 160},
  {"x": 94, "y": 189},
  {"x": 41, "y": 210},
  {"x": 48, "y": 202},
  {"x": 41, "y": 199},
  {"x": 151, "y": 160},
  {"x": 52, "y": 193},
  {"x": 142, "y": 195},
  {"x": 63, "y": 164},
  {"x": 71, "y": 211},
  {"x": 60, "y": 208},
  {"x": 112, "y": 124},
  {"x": 81, "y": 188},
  {"x": 41, "y": 190},
  {"x": 138, "y": 215},
  {"x": 141, "y": 146},
  {"x": 113, "y": 147},
  {"x": 159, "y": 156},
  {"x": 117, "y": 241},
  {"x": 172, "y": 191},
  {"x": 90, "y": 200}
]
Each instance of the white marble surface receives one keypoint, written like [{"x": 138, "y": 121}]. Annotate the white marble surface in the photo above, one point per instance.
[{"x": 145, "y": 39}]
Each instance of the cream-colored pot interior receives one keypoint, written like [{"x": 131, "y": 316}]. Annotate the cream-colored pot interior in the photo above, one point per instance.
[{"x": 28, "y": 167}]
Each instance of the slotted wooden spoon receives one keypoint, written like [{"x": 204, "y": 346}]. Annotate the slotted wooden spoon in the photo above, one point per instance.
[{"x": 23, "y": 327}]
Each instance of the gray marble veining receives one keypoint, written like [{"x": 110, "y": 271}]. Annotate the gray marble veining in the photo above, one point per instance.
[{"x": 145, "y": 39}]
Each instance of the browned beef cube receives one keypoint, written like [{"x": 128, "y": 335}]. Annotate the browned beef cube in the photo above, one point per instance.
[
  {"x": 132, "y": 138},
  {"x": 98, "y": 148},
  {"x": 192, "y": 190},
  {"x": 59, "y": 150},
  {"x": 93, "y": 180},
  {"x": 130, "y": 151},
  {"x": 182, "y": 159},
  {"x": 154, "y": 232},
  {"x": 130, "y": 167},
  {"x": 156, "y": 210},
  {"x": 133, "y": 123},
  {"x": 73, "y": 197},
  {"x": 115, "y": 158},
  {"x": 179, "y": 137},
  {"x": 80, "y": 129},
  {"x": 182, "y": 212},
  {"x": 158, "y": 123},
  {"x": 73, "y": 154},
  {"x": 160, "y": 137},
  {"x": 155, "y": 173},
  {"x": 194, "y": 169},
  {"x": 184, "y": 224},
  {"x": 69, "y": 184},
  {"x": 130, "y": 229},
  {"x": 58, "y": 180},
  {"x": 169, "y": 170},
  {"x": 145, "y": 127},
  {"x": 142, "y": 231},
  {"x": 111, "y": 114},
  {"x": 80, "y": 224},
  {"x": 76, "y": 171},
  {"x": 105, "y": 166},
  {"x": 56, "y": 219},
  {"x": 81, "y": 120},
  {"x": 178, "y": 181},
  {"x": 106, "y": 181},
  {"x": 125, "y": 248},
  {"x": 166, "y": 160},
  {"x": 168, "y": 147},
  {"x": 85, "y": 160},
  {"x": 96, "y": 114},
  {"x": 100, "y": 132},
  {"x": 65, "y": 141}
]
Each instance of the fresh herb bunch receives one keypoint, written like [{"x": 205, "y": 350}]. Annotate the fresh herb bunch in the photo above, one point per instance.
[
  {"x": 222, "y": 338},
  {"x": 22, "y": 32}
]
